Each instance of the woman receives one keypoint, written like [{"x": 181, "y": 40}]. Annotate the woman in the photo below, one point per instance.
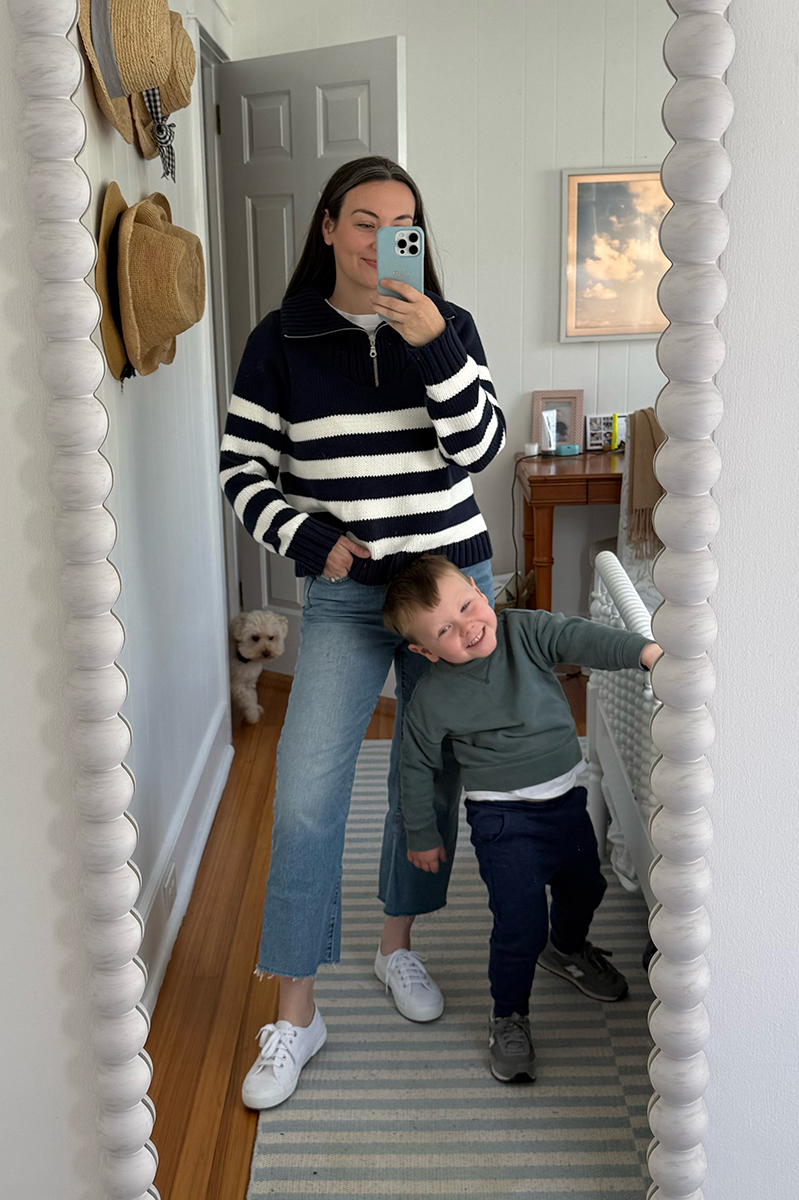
[{"x": 355, "y": 421}]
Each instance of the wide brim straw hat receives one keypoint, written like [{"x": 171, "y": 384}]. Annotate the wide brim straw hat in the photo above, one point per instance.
[
  {"x": 142, "y": 127},
  {"x": 129, "y": 47},
  {"x": 176, "y": 88},
  {"x": 161, "y": 282},
  {"x": 110, "y": 323},
  {"x": 175, "y": 91}
]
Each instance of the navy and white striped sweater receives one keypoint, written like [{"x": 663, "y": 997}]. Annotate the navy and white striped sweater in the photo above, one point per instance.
[{"x": 333, "y": 430}]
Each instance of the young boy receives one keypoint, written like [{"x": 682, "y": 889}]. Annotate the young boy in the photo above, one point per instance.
[{"x": 492, "y": 691}]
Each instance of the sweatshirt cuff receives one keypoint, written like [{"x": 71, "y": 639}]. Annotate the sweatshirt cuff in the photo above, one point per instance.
[
  {"x": 312, "y": 542},
  {"x": 427, "y": 838},
  {"x": 442, "y": 358},
  {"x": 640, "y": 645}
]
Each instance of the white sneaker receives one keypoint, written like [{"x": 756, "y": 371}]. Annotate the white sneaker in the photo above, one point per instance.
[
  {"x": 285, "y": 1049},
  {"x": 415, "y": 994}
]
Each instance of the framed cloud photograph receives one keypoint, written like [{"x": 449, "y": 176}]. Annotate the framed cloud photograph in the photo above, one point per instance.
[{"x": 612, "y": 261}]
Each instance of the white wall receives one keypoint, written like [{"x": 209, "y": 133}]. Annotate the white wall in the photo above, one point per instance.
[
  {"x": 754, "y": 1047},
  {"x": 501, "y": 97},
  {"x": 163, "y": 448}
]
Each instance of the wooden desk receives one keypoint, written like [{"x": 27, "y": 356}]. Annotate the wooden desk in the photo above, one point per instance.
[{"x": 583, "y": 479}]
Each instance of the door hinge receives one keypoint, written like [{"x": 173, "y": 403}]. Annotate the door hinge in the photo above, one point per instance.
[{"x": 218, "y": 119}]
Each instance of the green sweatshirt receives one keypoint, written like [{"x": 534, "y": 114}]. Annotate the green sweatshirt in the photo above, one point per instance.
[{"x": 507, "y": 715}]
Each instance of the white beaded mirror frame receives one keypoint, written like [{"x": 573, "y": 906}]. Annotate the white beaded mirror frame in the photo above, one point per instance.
[{"x": 696, "y": 112}]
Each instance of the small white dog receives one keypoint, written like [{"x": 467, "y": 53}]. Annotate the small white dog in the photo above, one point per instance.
[{"x": 255, "y": 638}]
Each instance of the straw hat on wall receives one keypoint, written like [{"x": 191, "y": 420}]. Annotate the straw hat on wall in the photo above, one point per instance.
[
  {"x": 159, "y": 289},
  {"x": 129, "y": 47},
  {"x": 175, "y": 90}
]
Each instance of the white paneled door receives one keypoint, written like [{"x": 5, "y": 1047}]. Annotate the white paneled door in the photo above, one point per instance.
[{"x": 287, "y": 122}]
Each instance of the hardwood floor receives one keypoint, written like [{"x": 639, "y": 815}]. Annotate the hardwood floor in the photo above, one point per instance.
[{"x": 211, "y": 1005}]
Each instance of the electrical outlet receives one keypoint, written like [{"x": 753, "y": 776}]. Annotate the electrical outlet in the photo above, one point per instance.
[{"x": 169, "y": 888}]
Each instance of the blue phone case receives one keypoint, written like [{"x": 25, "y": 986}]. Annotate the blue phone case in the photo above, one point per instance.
[{"x": 396, "y": 258}]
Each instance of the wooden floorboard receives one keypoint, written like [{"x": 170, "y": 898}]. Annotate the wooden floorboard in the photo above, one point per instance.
[{"x": 211, "y": 1005}]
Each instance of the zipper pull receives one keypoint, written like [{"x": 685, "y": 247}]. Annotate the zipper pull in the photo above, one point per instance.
[{"x": 373, "y": 355}]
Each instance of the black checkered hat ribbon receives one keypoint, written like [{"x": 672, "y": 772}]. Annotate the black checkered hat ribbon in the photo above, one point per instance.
[{"x": 163, "y": 134}]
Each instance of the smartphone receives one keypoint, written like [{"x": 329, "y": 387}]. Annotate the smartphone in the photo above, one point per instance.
[{"x": 400, "y": 255}]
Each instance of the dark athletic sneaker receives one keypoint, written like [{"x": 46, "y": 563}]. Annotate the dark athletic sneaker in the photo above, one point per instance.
[
  {"x": 588, "y": 970},
  {"x": 510, "y": 1048}
]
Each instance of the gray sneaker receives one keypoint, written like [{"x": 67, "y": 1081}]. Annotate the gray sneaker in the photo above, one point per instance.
[
  {"x": 510, "y": 1048},
  {"x": 588, "y": 970}
]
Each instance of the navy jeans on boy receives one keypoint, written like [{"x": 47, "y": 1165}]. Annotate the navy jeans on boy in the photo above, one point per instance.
[{"x": 522, "y": 846}]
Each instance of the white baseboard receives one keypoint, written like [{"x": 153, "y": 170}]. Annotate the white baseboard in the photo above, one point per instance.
[{"x": 185, "y": 851}]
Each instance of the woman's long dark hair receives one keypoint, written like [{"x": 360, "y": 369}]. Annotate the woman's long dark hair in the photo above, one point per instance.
[{"x": 317, "y": 265}]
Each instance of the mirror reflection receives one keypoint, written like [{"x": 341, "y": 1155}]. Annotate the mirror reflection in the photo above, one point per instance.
[{"x": 395, "y": 630}]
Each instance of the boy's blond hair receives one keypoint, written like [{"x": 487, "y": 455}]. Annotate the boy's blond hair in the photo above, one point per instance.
[{"x": 415, "y": 588}]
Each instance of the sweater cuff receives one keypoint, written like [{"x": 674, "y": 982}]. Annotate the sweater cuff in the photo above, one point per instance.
[
  {"x": 426, "y": 838},
  {"x": 312, "y": 542},
  {"x": 442, "y": 358}
]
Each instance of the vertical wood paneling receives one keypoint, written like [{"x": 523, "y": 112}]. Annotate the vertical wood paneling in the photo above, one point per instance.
[
  {"x": 162, "y": 446},
  {"x": 579, "y": 97},
  {"x": 541, "y": 256},
  {"x": 500, "y": 139},
  {"x": 442, "y": 144},
  {"x": 621, "y": 47},
  {"x": 652, "y": 82},
  {"x": 652, "y": 144}
]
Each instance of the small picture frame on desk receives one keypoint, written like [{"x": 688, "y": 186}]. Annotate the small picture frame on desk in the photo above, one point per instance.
[
  {"x": 599, "y": 431},
  {"x": 569, "y": 408}
]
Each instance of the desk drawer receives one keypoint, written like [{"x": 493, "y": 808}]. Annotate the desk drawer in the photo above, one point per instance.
[
  {"x": 557, "y": 491},
  {"x": 604, "y": 491}
]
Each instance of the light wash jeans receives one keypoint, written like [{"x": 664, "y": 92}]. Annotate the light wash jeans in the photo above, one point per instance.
[{"x": 345, "y": 654}]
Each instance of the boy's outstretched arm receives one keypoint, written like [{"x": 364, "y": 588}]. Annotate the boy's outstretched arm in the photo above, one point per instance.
[{"x": 554, "y": 638}]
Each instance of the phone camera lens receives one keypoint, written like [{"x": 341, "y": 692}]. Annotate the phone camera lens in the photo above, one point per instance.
[
  {"x": 402, "y": 243},
  {"x": 413, "y": 249},
  {"x": 413, "y": 237}
]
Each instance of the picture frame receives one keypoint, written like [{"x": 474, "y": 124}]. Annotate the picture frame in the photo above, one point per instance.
[
  {"x": 612, "y": 262},
  {"x": 569, "y": 407},
  {"x": 599, "y": 430}
]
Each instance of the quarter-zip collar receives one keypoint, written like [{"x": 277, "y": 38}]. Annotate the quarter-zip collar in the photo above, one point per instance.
[{"x": 307, "y": 314}]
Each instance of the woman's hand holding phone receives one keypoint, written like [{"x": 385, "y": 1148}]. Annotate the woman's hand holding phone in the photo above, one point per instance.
[{"x": 415, "y": 317}]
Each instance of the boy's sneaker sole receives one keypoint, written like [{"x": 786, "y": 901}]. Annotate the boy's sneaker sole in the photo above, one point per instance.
[
  {"x": 550, "y": 961},
  {"x": 527, "y": 1076}
]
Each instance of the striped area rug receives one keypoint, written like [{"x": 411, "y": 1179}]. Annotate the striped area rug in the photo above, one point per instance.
[{"x": 390, "y": 1108}]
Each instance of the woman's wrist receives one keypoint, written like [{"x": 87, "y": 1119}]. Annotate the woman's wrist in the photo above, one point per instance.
[{"x": 434, "y": 336}]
